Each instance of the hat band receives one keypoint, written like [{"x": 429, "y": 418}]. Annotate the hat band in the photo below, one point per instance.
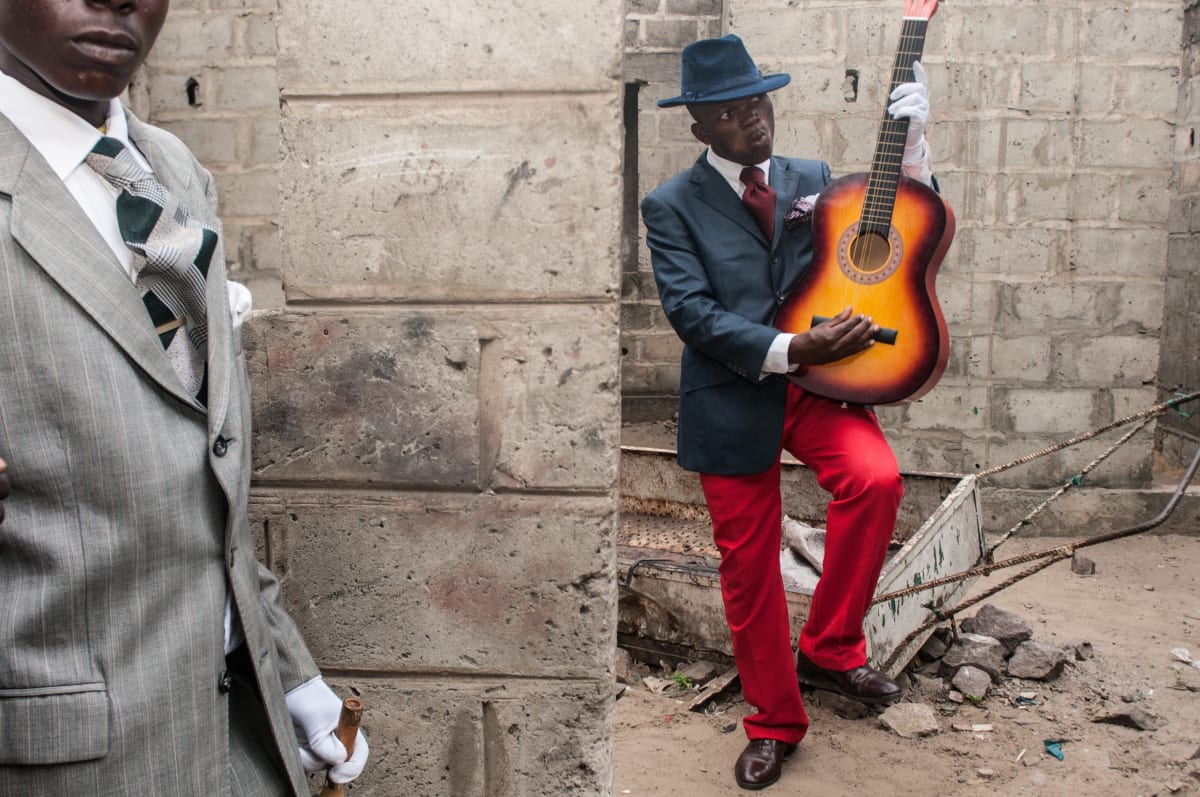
[{"x": 720, "y": 87}]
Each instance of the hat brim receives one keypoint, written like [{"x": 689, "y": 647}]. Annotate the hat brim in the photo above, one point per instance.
[{"x": 768, "y": 83}]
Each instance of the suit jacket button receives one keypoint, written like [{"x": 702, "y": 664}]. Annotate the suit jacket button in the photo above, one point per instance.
[
  {"x": 220, "y": 446},
  {"x": 779, "y": 298},
  {"x": 225, "y": 682}
]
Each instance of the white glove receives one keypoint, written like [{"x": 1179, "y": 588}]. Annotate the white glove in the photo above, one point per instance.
[
  {"x": 911, "y": 100},
  {"x": 315, "y": 709}
]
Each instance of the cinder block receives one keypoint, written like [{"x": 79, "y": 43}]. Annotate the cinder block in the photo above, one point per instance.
[
  {"x": 1109, "y": 360},
  {"x": 1139, "y": 307},
  {"x": 248, "y": 193},
  {"x": 995, "y": 30},
  {"x": 1047, "y": 87},
  {"x": 1095, "y": 91},
  {"x": 440, "y": 737},
  {"x": 1021, "y": 360},
  {"x": 1148, "y": 32},
  {"x": 1023, "y": 251},
  {"x": 1149, "y": 90},
  {"x": 247, "y": 88},
  {"x": 365, "y": 398},
  {"x": 669, "y": 33},
  {"x": 949, "y": 407},
  {"x": 773, "y": 30},
  {"x": 453, "y": 201},
  {"x": 1128, "y": 252},
  {"x": 1128, "y": 144},
  {"x": 537, "y": 46},
  {"x": 212, "y": 141},
  {"x": 1045, "y": 411},
  {"x": 1025, "y": 307},
  {"x": 264, "y": 142},
  {"x": 1040, "y": 197},
  {"x": 257, "y": 36},
  {"x": 399, "y": 398},
  {"x": 196, "y": 36},
  {"x": 1039, "y": 142},
  {"x": 710, "y": 8},
  {"x": 1144, "y": 198},
  {"x": 448, "y": 583}
]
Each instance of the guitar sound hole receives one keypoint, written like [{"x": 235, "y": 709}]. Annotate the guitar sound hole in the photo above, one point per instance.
[{"x": 870, "y": 252}]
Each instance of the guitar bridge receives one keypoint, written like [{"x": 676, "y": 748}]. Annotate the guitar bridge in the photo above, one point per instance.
[{"x": 884, "y": 335}]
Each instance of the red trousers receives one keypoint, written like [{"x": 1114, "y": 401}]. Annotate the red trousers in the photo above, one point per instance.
[{"x": 846, "y": 449}]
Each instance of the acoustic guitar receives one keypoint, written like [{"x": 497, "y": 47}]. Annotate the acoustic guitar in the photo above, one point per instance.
[{"x": 878, "y": 240}]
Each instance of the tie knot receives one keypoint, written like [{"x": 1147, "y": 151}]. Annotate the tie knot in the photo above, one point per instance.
[
  {"x": 113, "y": 161},
  {"x": 752, "y": 175}
]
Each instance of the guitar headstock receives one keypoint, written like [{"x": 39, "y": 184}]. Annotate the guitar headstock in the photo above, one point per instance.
[{"x": 920, "y": 9}]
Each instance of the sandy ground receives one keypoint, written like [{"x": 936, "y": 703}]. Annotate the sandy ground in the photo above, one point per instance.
[{"x": 1143, "y": 601}]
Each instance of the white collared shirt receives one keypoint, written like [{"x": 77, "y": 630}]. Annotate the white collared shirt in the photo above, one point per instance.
[{"x": 65, "y": 140}]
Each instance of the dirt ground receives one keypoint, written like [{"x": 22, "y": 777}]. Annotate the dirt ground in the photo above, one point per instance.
[{"x": 1143, "y": 601}]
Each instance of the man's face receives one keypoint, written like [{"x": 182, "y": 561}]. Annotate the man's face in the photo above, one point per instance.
[
  {"x": 742, "y": 131},
  {"x": 79, "y": 53}
]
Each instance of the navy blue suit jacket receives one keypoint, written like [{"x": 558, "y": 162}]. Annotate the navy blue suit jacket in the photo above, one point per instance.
[{"x": 721, "y": 282}]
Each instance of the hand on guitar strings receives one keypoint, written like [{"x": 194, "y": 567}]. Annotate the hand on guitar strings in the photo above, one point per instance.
[
  {"x": 911, "y": 101},
  {"x": 839, "y": 337}
]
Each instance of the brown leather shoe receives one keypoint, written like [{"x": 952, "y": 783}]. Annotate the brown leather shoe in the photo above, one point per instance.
[
  {"x": 863, "y": 684},
  {"x": 761, "y": 763}
]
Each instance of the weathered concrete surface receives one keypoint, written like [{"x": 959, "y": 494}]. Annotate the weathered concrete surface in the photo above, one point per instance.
[
  {"x": 488, "y": 737},
  {"x": 528, "y": 45},
  {"x": 445, "y": 397},
  {"x": 451, "y": 201},
  {"x": 447, "y": 582}
]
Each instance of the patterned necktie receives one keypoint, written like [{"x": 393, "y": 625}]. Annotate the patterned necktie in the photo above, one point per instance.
[
  {"x": 759, "y": 199},
  {"x": 171, "y": 255}
]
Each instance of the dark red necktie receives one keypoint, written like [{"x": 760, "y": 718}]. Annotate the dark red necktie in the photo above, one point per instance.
[{"x": 759, "y": 198}]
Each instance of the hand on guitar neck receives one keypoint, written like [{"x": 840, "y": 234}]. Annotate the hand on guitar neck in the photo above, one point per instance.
[{"x": 839, "y": 337}]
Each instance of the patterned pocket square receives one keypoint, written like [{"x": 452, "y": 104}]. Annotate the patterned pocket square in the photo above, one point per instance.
[{"x": 800, "y": 212}]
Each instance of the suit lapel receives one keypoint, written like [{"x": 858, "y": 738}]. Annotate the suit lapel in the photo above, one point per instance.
[
  {"x": 712, "y": 190},
  {"x": 785, "y": 182},
  {"x": 49, "y": 224}
]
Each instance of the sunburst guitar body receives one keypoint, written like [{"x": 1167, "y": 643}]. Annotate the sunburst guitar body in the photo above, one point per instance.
[{"x": 878, "y": 240}]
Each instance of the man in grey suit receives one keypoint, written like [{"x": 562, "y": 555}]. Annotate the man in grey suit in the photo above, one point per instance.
[{"x": 143, "y": 649}]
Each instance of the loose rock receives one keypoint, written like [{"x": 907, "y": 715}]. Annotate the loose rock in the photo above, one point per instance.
[
  {"x": 984, "y": 652},
  {"x": 910, "y": 720},
  {"x": 1130, "y": 718},
  {"x": 972, "y": 681},
  {"x": 1008, "y": 628},
  {"x": 1039, "y": 661},
  {"x": 1082, "y": 566}
]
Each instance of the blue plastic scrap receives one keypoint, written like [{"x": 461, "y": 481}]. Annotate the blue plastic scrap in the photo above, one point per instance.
[{"x": 1054, "y": 748}]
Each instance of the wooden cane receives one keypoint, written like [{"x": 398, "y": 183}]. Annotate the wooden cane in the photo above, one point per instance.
[{"x": 347, "y": 730}]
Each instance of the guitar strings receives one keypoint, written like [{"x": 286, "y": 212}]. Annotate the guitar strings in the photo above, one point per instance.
[{"x": 883, "y": 180}]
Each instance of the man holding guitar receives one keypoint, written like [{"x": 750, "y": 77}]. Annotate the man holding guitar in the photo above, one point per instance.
[{"x": 729, "y": 239}]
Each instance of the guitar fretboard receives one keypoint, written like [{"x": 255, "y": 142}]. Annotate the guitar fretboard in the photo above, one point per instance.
[{"x": 884, "y": 176}]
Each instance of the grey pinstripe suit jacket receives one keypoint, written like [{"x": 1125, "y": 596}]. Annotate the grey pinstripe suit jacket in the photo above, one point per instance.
[{"x": 126, "y": 522}]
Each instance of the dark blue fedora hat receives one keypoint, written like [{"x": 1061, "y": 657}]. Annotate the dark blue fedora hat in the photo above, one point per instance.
[{"x": 715, "y": 70}]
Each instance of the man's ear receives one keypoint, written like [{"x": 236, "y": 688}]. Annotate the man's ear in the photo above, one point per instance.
[{"x": 700, "y": 133}]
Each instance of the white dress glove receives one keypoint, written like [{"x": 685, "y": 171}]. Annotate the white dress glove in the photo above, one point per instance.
[
  {"x": 315, "y": 709},
  {"x": 911, "y": 100}
]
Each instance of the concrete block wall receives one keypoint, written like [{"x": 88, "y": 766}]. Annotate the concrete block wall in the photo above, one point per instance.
[
  {"x": 1055, "y": 141},
  {"x": 211, "y": 80},
  {"x": 436, "y": 392},
  {"x": 1179, "y": 432}
]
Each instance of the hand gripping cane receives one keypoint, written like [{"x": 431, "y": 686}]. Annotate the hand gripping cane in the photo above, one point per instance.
[{"x": 347, "y": 730}]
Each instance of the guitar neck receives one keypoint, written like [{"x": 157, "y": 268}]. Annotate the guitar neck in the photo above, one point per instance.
[{"x": 884, "y": 177}]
